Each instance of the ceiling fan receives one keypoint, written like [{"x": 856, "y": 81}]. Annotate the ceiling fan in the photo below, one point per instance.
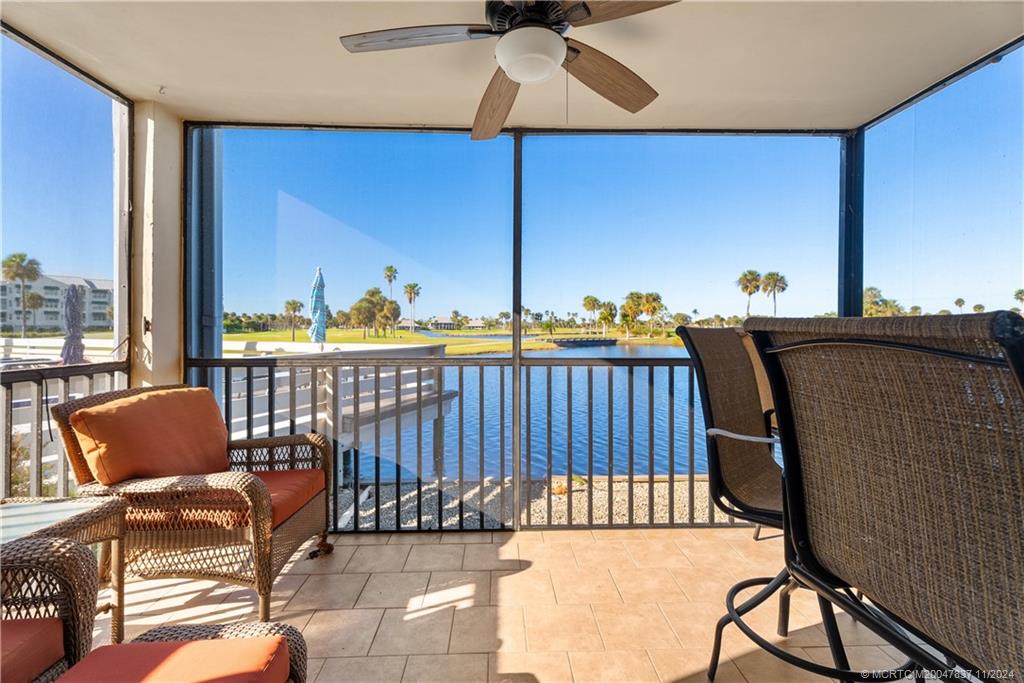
[{"x": 531, "y": 46}]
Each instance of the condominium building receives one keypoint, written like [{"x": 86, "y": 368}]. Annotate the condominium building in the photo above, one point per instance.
[{"x": 97, "y": 300}]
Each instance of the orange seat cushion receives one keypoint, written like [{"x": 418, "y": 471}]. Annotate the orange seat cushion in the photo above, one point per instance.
[
  {"x": 290, "y": 490},
  {"x": 29, "y": 647},
  {"x": 156, "y": 434},
  {"x": 238, "y": 660}
]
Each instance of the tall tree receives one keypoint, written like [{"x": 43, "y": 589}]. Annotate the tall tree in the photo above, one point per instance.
[
  {"x": 979, "y": 308},
  {"x": 773, "y": 284},
  {"x": 392, "y": 313},
  {"x": 412, "y": 292},
  {"x": 291, "y": 309},
  {"x": 651, "y": 305},
  {"x": 390, "y": 275},
  {"x": 606, "y": 316},
  {"x": 18, "y": 267},
  {"x": 591, "y": 304},
  {"x": 631, "y": 310},
  {"x": 959, "y": 303},
  {"x": 33, "y": 301},
  {"x": 749, "y": 283}
]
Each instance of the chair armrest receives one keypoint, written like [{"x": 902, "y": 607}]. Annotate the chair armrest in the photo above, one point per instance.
[
  {"x": 715, "y": 432},
  {"x": 296, "y": 643},
  {"x": 295, "y": 451},
  {"x": 51, "y": 577}
]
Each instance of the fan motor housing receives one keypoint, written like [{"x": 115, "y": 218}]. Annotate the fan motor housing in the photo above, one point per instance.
[{"x": 505, "y": 16}]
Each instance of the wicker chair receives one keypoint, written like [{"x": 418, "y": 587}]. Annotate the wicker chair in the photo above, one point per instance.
[
  {"x": 215, "y": 526},
  {"x": 45, "y": 578},
  {"x": 903, "y": 443}
]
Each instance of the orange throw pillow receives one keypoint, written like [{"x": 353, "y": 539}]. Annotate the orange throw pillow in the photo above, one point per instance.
[{"x": 156, "y": 434}]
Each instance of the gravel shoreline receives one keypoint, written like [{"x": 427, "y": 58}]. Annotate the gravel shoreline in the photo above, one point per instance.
[{"x": 488, "y": 515}]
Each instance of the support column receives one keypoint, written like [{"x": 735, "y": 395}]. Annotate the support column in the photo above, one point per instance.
[
  {"x": 156, "y": 317},
  {"x": 851, "y": 224}
]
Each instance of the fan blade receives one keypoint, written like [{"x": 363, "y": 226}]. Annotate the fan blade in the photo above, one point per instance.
[
  {"x": 608, "y": 78},
  {"x": 579, "y": 13},
  {"x": 415, "y": 36},
  {"x": 494, "y": 106}
]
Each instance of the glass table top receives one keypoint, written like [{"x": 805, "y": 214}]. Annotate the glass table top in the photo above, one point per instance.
[{"x": 18, "y": 520}]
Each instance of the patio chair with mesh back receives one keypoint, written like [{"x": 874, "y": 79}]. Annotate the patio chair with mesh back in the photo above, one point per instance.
[
  {"x": 744, "y": 479},
  {"x": 239, "y": 526},
  {"x": 903, "y": 445}
]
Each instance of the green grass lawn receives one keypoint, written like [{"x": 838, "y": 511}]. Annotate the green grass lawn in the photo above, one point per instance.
[{"x": 453, "y": 347}]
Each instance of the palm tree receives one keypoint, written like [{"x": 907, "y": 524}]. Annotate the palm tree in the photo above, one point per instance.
[
  {"x": 591, "y": 304},
  {"x": 631, "y": 310},
  {"x": 412, "y": 292},
  {"x": 390, "y": 274},
  {"x": 959, "y": 303},
  {"x": 1019, "y": 296},
  {"x": 773, "y": 284},
  {"x": 979, "y": 308},
  {"x": 18, "y": 267},
  {"x": 606, "y": 316},
  {"x": 291, "y": 309},
  {"x": 651, "y": 305},
  {"x": 749, "y": 283},
  {"x": 33, "y": 301}
]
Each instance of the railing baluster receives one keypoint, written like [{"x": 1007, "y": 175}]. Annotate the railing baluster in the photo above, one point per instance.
[
  {"x": 671, "y": 444},
  {"x": 550, "y": 466},
  {"x": 419, "y": 448},
  {"x": 356, "y": 449},
  {"x": 376, "y": 448},
  {"x": 7, "y": 415},
  {"x": 650, "y": 445},
  {"x": 314, "y": 399},
  {"x": 480, "y": 487},
  {"x": 248, "y": 402},
  {"x": 501, "y": 446},
  {"x": 611, "y": 444},
  {"x": 629, "y": 449},
  {"x": 339, "y": 479},
  {"x": 568, "y": 444},
  {"x": 438, "y": 444},
  {"x": 398, "y": 447},
  {"x": 62, "y": 462},
  {"x": 462, "y": 446},
  {"x": 271, "y": 398},
  {"x": 529, "y": 450},
  {"x": 227, "y": 400},
  {"x": 690, "y": 442},
  {"x": 590, "y": 446},
  {"x": 35, "y": 471},
  {"x": 292, "y": 394}
]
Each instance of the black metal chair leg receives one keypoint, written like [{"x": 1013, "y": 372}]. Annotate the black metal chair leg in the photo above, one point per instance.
[
  {"x": 835, "y": 640},
  {"x": 771, "y": 586},
  {"x": 716, "y": 649},
  {"x": 757, "y": 532},
  {"x": 783, "y": 625}
]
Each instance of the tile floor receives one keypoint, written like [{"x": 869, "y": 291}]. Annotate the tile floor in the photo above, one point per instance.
[{"x": 606, "y": 605}]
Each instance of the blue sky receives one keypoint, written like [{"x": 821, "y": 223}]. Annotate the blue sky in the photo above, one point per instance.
[{"x": 603, "y": 215}]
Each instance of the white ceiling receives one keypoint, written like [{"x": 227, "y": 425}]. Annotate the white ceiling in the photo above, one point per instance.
[{"x": 717, "y": 64}]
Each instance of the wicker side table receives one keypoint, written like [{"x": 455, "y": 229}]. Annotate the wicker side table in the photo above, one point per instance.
[{"x": 86, "y": 520}]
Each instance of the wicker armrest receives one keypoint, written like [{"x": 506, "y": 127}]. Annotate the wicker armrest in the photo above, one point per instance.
[
  {"x": 51, "y": 577},
  {"x": 295, "y": 451},
  {"x": 296, "y": 643}
]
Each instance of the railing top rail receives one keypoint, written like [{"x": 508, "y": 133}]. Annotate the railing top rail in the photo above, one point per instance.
[
  {"x": 502, "y": 361},
  {"x": 10, "y": 377}
]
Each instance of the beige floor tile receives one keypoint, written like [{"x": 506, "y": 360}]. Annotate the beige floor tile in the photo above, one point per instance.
[
  {"x": 758, "y": 665},
  {"x": 583, "y": 586},
  {"x": 505, "y": 537},
  {"x": 489, "y": 629},
  {"x": 392, "y": 589},
  {"x": 618, "y": 534},
  {"x": 457, "y": 589},
  {"x": 684, "y": 665},
  {"x": 341, "y": 633},
  {"x": 602, "y": 555},
  {"x": 328, "y": 591},
  {"x": 656, "y": 554},
  {"x": 378, "y": 558},
  {"x": 242, "y": 604},
  {"x": 489, "y": 556},
  {"x": 466, "y": 537},
  {"x": 557, "y": 535},
  {"x": 362, "y": 670},
  {"x": 415, "y": 538},
  {"x": 433, "y": 558},
  {"x": 540, "y": 555},
  {"x": 634, "y": 627},
  {"x": 561, "y": 628},
  {"x": 322, "y": 564},
  {"x": 666, "y": 534},
  {"x": 446, "y": 669},
  {"x": 863, "y": 657},
  {"x": 713, "y": 554},
  {"x": 702, "y": 585},
  {"x": 529, "y": 667},
  {"x": 359, "y": 538},
  {"x": 694, "y": 622},
  {"x": 647, "y": 585},
  {"x": 612, "y": 666},
  {"x": 854, "y": 633},
  {"x": 423, "y": 631},
  {"x": 526, "y": 587},
  {"x": 313, "y": 667}
]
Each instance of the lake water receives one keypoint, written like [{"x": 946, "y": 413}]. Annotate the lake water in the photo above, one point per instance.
[{"x": 535, "y": 447}]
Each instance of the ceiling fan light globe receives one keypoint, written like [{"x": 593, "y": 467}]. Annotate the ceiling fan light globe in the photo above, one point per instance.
[{"x": 531, "y": 54}]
